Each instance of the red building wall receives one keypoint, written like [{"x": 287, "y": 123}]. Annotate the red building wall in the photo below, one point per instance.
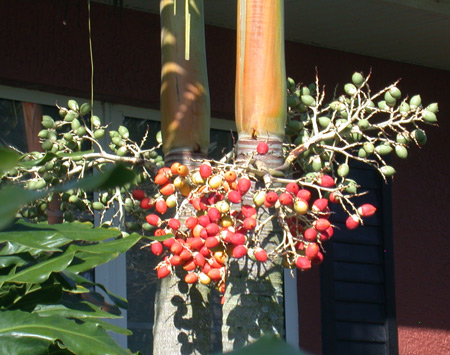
[{"x": 46, "y": 50}]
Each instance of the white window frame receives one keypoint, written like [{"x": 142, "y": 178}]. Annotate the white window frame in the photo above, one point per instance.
[{"x": 113, "y": 274}]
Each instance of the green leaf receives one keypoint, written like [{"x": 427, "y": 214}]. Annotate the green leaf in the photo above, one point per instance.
[
  {"x": 8, "y": 159},
  {"x": 25, "y": 298},
  {"x": 119, "y": 301},
  {"x": 160, "y": 238},
  {"x": 18, "y": 259},
  {"x": 17, "y": 197},
  {"x": 85, "y": 338},
  {"x": 269, "y": 344},
  {"x": 67, "y": 309},
  {"x": 89, "y": 256},
  {"x": 11, "y": 345},
  {"x": 109, "y": 326},
  {"x": 43, "y": 236},
  {"x": 40, "y": 272},
  {"x": 30, "y": 163}
]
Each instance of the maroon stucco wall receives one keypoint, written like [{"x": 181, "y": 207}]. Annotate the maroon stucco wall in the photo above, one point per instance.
[{"x": 41, "y": 52}]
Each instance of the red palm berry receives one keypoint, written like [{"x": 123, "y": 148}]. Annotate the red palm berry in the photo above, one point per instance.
[
  {"x": 138, "y": 194},
  {"x": 204, "y": 220},
  {"x": 367, "y": 210},
  {"x": 191, "y": 222},
  {"x": 167, "y": 189},
  {"x": 174, "y": 223},
  {"x": 162, "y": 271},
  {"x": 321, "y": 224},
  {"x": 199, "y": 259},
  {"x": 303, "y": 263},
  {"x": 153, "y": 220},
  {"x": 205, "y": 171},
  {"x": 249, "y": 223},
  {"x": 286, "y": 199},
  {"x": 248, "y": 211},
  {"x": 262, "y": 148},
  {"x": 320, "y": 205},
  {"x": 243, "y": 185},
  {"x": 168, "y": 242},
  {"x": 191, "y": 278},
  {"x": 239, "y": 251},
  {"x": 161, "y": 206},
  {"x": 234, "y": 196},
  {"x": 146, "y": 203},
  {"x": 304, "y": 194},
  {"x": 211, "y": 242},
  {"x": 156, "y": 248},
  {"x": 175, "y": 260},
  {"x": 317, "y": 259},
  {"x": 310, "y": 235},
  {"x": 352, "y": 222},
  {"x": 162, "y": 179},
  {"x": 311, "y": 250},
  {"x": 271, "y": 197},
  {"x": 293, "y": 188},
  {"x": 326, "y": 181},
  {"x": 214, "y": 214},
  {"x": 176, "y": 248},
  {"x": 238, "y": 239},
  {"x": 215, "y": 274},
  {"x": 195, "y": 243},
  {"x": 212, "y": 229},
  {"x": 260, "y": 255}
]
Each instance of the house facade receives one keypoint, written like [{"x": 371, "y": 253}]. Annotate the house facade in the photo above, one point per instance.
[{"x": 382, "y": 289}]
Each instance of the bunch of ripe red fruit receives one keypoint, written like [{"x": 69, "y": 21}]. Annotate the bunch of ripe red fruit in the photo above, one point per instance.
[{"x": 227, "y": 225}]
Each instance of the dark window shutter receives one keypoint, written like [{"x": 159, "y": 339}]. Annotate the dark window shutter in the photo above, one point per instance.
[{"x": 357, "y": 278}]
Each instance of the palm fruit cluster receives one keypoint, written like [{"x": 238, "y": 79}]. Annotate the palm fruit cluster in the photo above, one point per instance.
[
  {"x": 67, "y": 152},
  {"x": 221, "y": 225},
  {"x": 356, "y": 125}
]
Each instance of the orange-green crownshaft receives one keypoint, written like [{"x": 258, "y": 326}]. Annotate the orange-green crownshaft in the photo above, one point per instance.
[
  {"x": 261, "y": 74},
  {"x": 185, "y": 104}
]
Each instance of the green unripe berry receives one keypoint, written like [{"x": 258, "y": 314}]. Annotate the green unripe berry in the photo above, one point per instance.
[
  {"x": 85, "y": 108},
  {"x": 395, "y": 93},
  {"x": 415, "y": 102},
  {"x": 308, "y": 100},
  {"x": 383, "y": 149},
  {"x": 123, "y": 131},
  {"x": 324, "y": 121},
  {"x": 387, "y": 170},
  {"x": 81, "y": 131},
  {"x": 159, "y": 137},
  {"x": 73, "y": 105},
  {"x": 429, "y": 116},
  {"x": 343, "y": 170},
  {"x": 357, "y": 79},
  {"x": 402, "y": 138},
  {"x": 98, "y": 206},
  {"x": 75, "y": 124},
  {"x": 420, "y": 136},
  {"x": 70, "y": 116},
  {"x": 350, "y": 89},
  {"x": 362, "y": 153},
  {"x": 96, "y": 122},
  {"x": 433, "y": 107},
  {"x": 390, "y": 101},
  {"x": 363, "y": 124},
  {"x": 401, "y": 151},
  {"x": 99, "y": 133}
]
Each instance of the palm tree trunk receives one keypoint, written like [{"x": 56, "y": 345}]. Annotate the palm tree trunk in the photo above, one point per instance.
[
  {"x": 182, "y": 314},
  {"x": 254, "y": 293}
]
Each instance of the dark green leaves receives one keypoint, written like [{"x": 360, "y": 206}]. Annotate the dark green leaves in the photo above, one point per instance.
[{"x": 84, "y": 338}]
